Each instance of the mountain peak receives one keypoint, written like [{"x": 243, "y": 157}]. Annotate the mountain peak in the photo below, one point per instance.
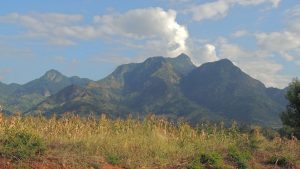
[
  {"x": 183, "y": 56},
  {"x": 53, "y": 75},
  {"x": 220, "y": 64},
  {"x": 224, "y": 62},
  {"x": 155, "y": 59}
]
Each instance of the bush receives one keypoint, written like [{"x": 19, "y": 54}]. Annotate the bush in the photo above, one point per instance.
[
  {"x": 195, "y": 165},
  {"x": 279, "y": 160},
  {"x": 20, "y": 145},
  {"x": 240, "y": 158},
  {"x": 113, "y": 159},
  {"x": 213, "y": 160}
]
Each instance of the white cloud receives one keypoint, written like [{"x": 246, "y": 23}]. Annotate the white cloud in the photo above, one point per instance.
[
  {"x": 285, "y": 43},
  {"x": 274, "y": 3},
  {"x": 215, "y": 9},
  {"x": 204, "y": 53},
  {"x": 149, "y": 23},
  {"x": 278, "y": 41},
  {"x": 233, "y": 51},
  {"x": 240, "y": 33},
  {"x": 220, "y": 8},
  {"x": 138, "y": 25},
  {"x": 287, "y": 56},
  {"x": 55, "y": 27}
]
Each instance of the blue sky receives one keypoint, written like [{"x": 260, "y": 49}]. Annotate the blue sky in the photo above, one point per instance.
[{"x": 90, "y": 38}]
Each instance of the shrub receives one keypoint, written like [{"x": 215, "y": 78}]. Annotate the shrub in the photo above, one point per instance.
[
  {"x": 279, "y": 160},
  {"x": 212, "y": 160},
  {"x": 20, "y": 145},
  {"x": 113, "y": 159},
  {"x": 195, "y": 165},
  {"x": 240, "y": 158}
]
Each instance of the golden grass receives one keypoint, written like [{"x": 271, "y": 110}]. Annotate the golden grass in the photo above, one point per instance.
[{"x": 149, "y": 143}]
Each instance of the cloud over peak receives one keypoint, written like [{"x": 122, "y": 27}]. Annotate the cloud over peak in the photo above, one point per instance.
[{"x": 147, "y": 23}]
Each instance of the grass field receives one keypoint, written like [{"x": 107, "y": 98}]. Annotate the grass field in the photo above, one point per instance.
[{"x": 74, "y": 142}]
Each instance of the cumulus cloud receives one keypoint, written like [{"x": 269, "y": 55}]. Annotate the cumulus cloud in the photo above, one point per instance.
[
  {"x": 220, "y": 8},
  {"x": 141, "y": 25},
  {"x": 278, "y": 41},
  {"x": 204, "y": 53},
  {"x": 149, "y": 23},
  {"x": 285, "y": 43}
]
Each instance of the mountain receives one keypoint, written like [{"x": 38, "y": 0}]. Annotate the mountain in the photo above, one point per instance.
[
  {"x": 138, "y": 88},
  {"x": 223, "y": 87},
  {"x": 174, "y": 88},
  {"x": 19, "y": 98}
]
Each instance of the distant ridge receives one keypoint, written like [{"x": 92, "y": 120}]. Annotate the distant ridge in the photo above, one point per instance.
[
  {"x": 20, "y": 98},
  {"x": 174, "y": 88}
]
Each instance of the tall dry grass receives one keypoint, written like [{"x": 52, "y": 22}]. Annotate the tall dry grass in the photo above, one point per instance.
[{"x": 149, "y": 143}]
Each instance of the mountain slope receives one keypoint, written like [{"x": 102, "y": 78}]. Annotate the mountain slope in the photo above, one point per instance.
[
  {"x": 22, "y": 97},
  {"x": 174, "y": 87},
  {"x": 223, "y": 87},
  {"x": 142, "y": 88}
]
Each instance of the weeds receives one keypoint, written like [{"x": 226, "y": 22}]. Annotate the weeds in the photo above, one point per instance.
[
  {"x": 239, "y": 156},
  {"x": 21, "y": 145},
  {"x": 112, "y": 159},
  {"x": 130, "y": 143}
]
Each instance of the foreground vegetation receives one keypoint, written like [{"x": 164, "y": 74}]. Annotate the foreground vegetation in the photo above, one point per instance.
[{"x": 74, "y": 142}]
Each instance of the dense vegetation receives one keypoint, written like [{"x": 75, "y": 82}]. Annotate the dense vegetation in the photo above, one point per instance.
[
  {"x": 76, "y": 142},
  {"x": 291, "y": 117}
]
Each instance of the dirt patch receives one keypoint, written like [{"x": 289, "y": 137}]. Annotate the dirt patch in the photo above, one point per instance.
[
  {"x": 46, "y": 163},
  {"x": 109, "y": 166},
  {"x": 6, "y": 164}
]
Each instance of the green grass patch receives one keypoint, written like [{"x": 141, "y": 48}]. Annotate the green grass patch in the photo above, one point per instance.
[
  {"x": 113, "y": 159},
  {"x": 20, "y": 145},
  {"x": 212, "y": 160},
  {"x": 280, "y": 161},
  {"x": 239, "y": 157}
]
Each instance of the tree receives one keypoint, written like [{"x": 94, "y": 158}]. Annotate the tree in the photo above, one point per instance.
[{"x": 291, "y": 117}]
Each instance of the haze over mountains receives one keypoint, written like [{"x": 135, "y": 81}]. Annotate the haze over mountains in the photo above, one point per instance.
[{"x": 171, "y": 87}]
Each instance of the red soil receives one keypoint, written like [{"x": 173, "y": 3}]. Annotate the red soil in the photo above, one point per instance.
[{"x": 45, "y": 164}]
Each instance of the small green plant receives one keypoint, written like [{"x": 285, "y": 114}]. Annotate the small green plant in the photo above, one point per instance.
[
  {"x": 279, "y": 160},
  {"x": 212, "y": 160},
  {"x": 195, "y": 165},
  {"x": 20, "y": 145},
  {"x": 113, "y": 159},
  {"x": 239, "y": 157}
]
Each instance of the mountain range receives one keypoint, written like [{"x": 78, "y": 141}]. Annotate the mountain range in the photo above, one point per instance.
[{"x": 170, "y": 87}]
